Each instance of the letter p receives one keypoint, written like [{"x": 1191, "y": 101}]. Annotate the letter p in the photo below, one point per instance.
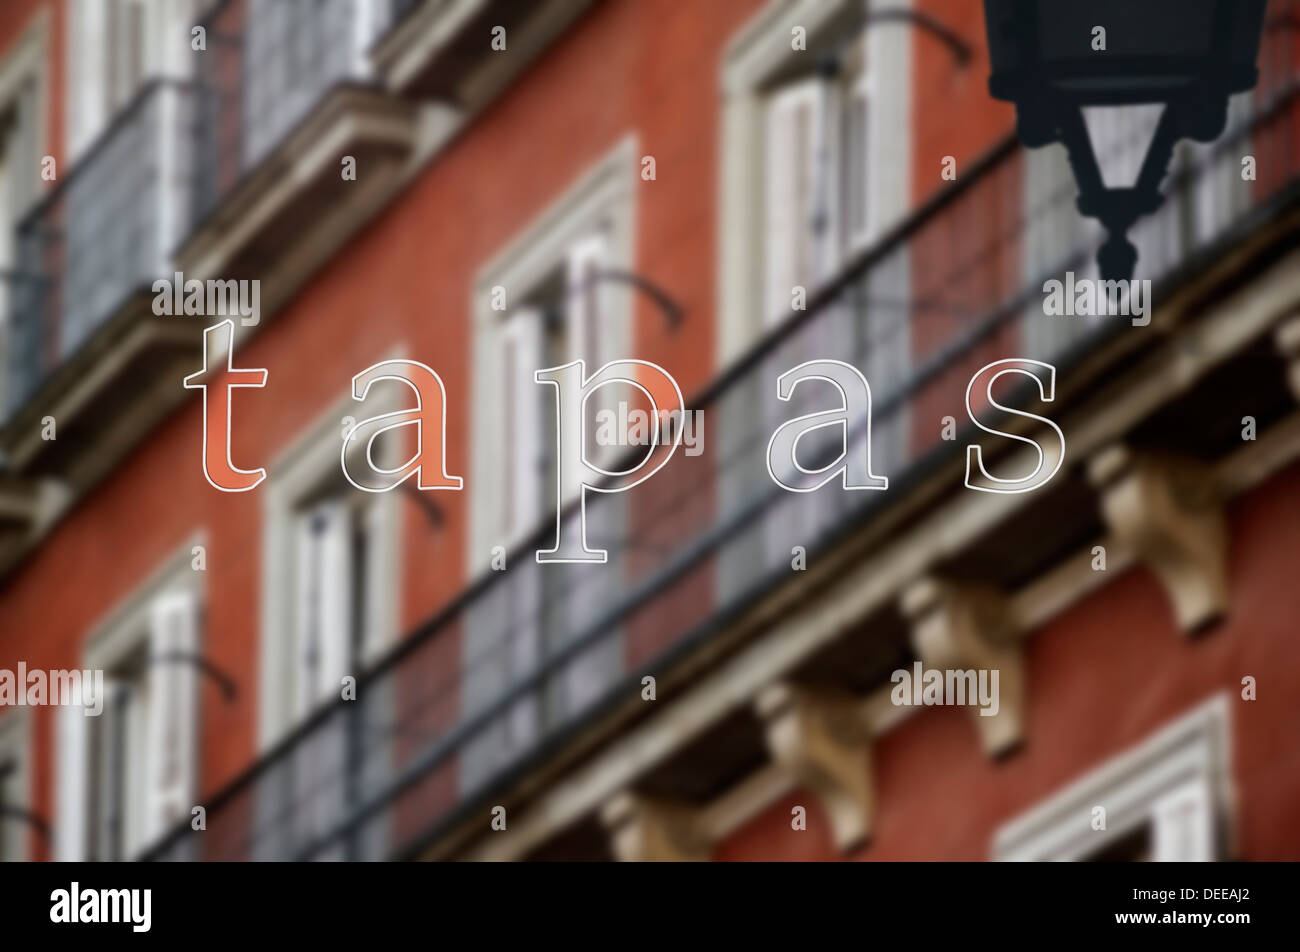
[{"x": 575, "y": 474}]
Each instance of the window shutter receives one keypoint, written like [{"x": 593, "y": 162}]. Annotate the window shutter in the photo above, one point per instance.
[
  {"x": 1183, "y": 822},
  {"x": 374, "y": 592},
  {"x": 88, "y": 65},
  {"x": 585, "y": 303},
  {"x": 71, "y": 780},
  {"x": 523, "y": 401},
  {"x": 796, "y": 254},
  {"x": 172, "y": 732},
  {"x": 857, "y": 143},
  {"x": 324, "y": 618},
  {"x": 127, "y": 51}
]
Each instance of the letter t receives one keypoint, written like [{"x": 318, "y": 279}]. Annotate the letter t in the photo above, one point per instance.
[{"x": 220, "y": 471}]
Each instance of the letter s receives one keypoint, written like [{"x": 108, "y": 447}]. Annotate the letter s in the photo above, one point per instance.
[{"x": 974, "y": 456}]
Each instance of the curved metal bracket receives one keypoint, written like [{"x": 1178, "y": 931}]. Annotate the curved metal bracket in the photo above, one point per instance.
[
  {"x": 672, "y": 311},
  {"x": 30, "y": 817},
  {"x": 223, "y": 681},
  {"x": 960, "y": 49}
]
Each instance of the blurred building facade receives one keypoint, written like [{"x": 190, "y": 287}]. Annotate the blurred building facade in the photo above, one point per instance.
[{"x": 652, "y": 179}]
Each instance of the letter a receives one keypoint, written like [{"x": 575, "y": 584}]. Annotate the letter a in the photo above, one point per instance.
[
  {"x": 429, "y": 417},
  {"x": 853, "y": 467},
  {"x": 221, "y": 472}
]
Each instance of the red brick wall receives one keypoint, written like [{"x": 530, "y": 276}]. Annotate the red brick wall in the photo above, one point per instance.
[{"x": 952, "y": 111}]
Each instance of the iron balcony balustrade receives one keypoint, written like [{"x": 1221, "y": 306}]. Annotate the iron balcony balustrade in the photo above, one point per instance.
[
  {"x": 102, "y": 234},
  {"x": 512, "y": 671},
  {"x": 178, "y": 156},
  {"x": 255, "y": 85},
  {"x": 86, "y": 257},
  {"x": 284, "y": 92}
]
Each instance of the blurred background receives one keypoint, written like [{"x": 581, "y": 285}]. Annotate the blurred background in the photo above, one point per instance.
[{"x": 727, "y": 188}]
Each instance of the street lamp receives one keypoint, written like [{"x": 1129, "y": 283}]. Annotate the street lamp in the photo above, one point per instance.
[{"x": 1052, "y": 58}]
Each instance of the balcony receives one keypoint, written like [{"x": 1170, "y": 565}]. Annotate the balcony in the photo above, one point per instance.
[
  {"x": 217, "y": 177},
  {"x": 82, "y": 332},
  {"x": 441, "y": 49},
  {"x": 278, "y": 108}
]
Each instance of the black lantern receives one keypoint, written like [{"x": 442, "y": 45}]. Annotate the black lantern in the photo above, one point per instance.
[{"x": 1054, "y": 57}]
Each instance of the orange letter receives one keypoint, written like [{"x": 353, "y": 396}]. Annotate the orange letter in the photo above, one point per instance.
[
  {"x": 217, "y": 465},
  {"x": 428, "y": 464}
]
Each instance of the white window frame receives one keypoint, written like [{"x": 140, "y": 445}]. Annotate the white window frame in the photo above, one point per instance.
[
  {"x": 758, "y": 55},
  {"x": 126, "y": 630},
  {"x": 16, "y": 749},
  {"x": 603, "y": 198},
  {"x": 1180, "y": 775},
  {"x": 296, "y": 475}
]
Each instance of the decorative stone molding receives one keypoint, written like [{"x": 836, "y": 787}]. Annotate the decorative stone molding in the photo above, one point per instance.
[
  {"x": 820, "y": 739},
  {"x": 1167, "y": 511},
  {"x": 652, "y": 830},
  {"x": 960, "y": 627}
]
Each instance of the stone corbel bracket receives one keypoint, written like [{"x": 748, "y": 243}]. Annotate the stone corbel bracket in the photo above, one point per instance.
[
  {"x": 654, "y": 830},
  {"x": 1168, "y": 512},
  {"x": 820, "y": 739},
  {"x": 968, "y": 627},
  {"x": 1288, "y": 343}
]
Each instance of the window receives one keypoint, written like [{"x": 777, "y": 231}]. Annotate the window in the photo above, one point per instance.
[
  {"x": 127, "y": 775},
  {"x": 817, "y": 187},
  {"x": 330, "y": 577},
  {"x": 558, "y": 310},
  {"x": 15, "y": 786},
  {"x": 815, "y": 167},
  {"x": 815, "y": 164},
  {"x": 334, "y": 535},
  {"x": 116, "y": 47},
  {"x": 22, "y": 128},
  {"x": 329, "y": 570},
  {"x": 1167, "y": 799},
  {"x": 559, "y": 322}
]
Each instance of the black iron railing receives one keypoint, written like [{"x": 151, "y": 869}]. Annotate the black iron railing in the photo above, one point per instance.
[
  {"x": 256, "y": 85},
  {"x": 511, "y": 668},
  {"x": 101, "y": 236}
]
